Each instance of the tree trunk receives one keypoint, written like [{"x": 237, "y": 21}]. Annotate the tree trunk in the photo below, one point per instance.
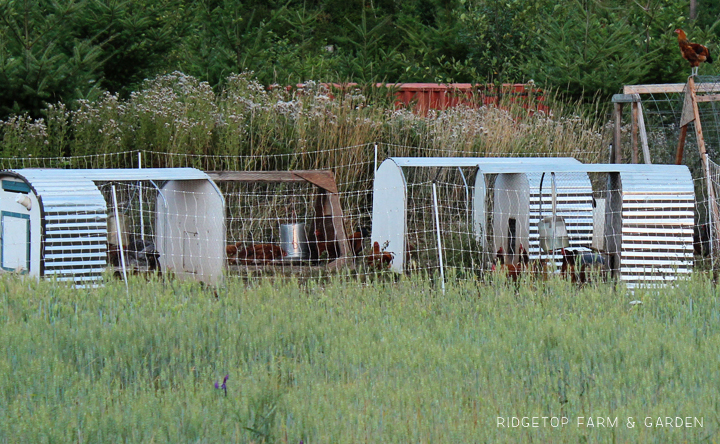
[{"x": 693, "y": 9}]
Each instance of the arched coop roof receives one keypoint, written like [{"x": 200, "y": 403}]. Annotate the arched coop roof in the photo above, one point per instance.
[{"x": 73, "y": 214}]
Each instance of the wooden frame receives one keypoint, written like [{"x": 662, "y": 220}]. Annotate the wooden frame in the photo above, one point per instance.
[
  {"x": 678, "y": 88},
  {"x": 638, "y": 124},
  {"x": 328, "y": 210},
  {"x": 690, "y": 113}
]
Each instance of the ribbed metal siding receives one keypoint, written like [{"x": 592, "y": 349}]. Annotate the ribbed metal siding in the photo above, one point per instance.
[
  {"x": 657, "y": 227},
  {"x": 574, "y": 203},
  {"x": 119, "y": 174},
  {"x": 75, "y": 226}
]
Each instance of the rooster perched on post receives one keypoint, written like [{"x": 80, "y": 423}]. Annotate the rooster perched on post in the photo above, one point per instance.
[{"x": 694, "y": 53}]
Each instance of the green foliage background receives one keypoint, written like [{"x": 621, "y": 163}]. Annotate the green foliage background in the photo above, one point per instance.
[{"x": 64, "y": 51}]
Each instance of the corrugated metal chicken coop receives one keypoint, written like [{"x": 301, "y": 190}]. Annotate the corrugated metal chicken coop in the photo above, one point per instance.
[
  {"x": 70, "y": 224},
  {"x": 460, "y": 213},
  {"x": 403, "y": 205},
  {"x": 650, "y": 219},
  {"x": 522, "y": 200}
]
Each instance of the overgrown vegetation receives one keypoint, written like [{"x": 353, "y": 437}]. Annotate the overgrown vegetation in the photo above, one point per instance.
[
  {"x": 341, "y": 362},
  {"x": 78, "y": 49},
  {"x": 178, "y": 114}
]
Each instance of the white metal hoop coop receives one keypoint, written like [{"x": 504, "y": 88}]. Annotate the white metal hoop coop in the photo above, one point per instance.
[
  {"x": 68, "y": 224},
  {"x": 429, "y": 216}
]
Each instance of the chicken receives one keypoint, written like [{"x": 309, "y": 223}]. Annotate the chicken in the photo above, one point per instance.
[
  {"x": 321, "y": 247},
  {"x": 231, "y": 254},
  {"x": 513, "y": 271},
  {"x": 378, "y": 259},
  {"x": 140, "y": 254},
  {"x": 583, "y": 266},
  {"x": 143, "y": 254},
  {"x": 694, "y": 53},
  {"x": 536, "y": 268},
  {"x": 356, "y": 240},
  {"x": 254, "y": 254},
  {"x": 524, "y": 258},
  {"x": 567, "y": 267}
]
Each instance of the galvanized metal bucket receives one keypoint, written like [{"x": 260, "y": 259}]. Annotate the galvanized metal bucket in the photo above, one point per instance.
[
  {"x": 548, "y": 242},
  {"x": 294, "y": 241}
]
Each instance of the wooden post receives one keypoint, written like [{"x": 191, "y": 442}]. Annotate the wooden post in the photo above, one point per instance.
[
  {"x": 613, "y": 223},
  {"x": 617, "y": 146},
  {"x": 681, "y": 146},
  {"x": 686, "y": 116},
  {"x": 633, "y": 133},
  {"x": 638, "y": 125},
  {"x": 643, "y": 133},
  {"x": 714, "y": 213}
]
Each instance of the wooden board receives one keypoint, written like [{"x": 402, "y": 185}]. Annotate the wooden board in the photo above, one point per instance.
[
  {"x": 322, "y": 178},
  {"x": 626, "y": 98},
  {"x": 708, "y": 98},
  {"x": 643, "y": 134},
  {"x": 670, "y": 88},
  {"x": 688, "y": 114}
]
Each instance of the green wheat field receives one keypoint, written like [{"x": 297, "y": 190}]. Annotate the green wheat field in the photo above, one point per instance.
[{"x": 341, "y": 361}]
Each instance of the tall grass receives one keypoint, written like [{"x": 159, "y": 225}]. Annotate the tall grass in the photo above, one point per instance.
[
  {"x": 340, "y": 362},
  {"x": 178, "y": 114}
]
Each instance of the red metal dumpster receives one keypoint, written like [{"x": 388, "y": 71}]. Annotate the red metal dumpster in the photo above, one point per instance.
[{"x": 423, "y": 97}]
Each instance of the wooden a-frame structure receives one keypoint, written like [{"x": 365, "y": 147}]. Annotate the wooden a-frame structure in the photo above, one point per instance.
[{"x": 328, "y": 210}]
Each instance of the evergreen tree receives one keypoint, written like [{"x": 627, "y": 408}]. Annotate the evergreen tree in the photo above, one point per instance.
[
  {"x": 43, "y": 57},
  {"x": 584, "y": 51}
]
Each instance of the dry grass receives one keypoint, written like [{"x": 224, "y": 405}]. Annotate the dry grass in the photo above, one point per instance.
[{"x": 247, "y": 126}]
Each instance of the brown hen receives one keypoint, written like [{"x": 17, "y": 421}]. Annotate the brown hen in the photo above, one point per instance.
[{"x": 694, "y": 53}]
